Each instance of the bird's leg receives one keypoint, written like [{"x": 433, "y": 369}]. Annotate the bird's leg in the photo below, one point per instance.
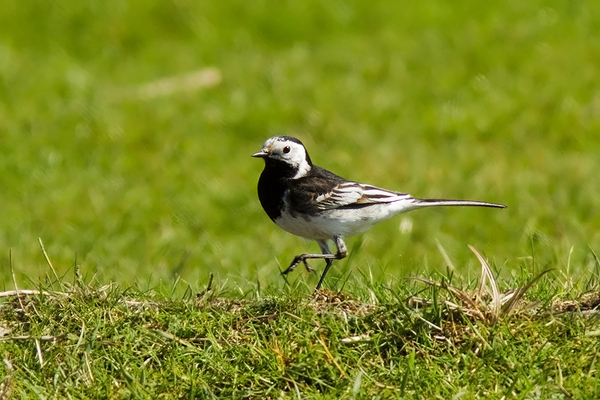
[
  {"x": 327, "y": 255},
  {"x": 324, "y": 249},
  {"x": 341, "y": 253},
  {"x": 301, "y": 259}
]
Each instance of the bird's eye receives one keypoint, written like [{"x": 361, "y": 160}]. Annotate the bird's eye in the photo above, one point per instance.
[{"x": 286, "y": 149}]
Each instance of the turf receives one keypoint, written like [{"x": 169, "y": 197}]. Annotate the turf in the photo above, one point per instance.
[
  {"x": 106, "y": 342},
  {"x": 126, "y": 131}
]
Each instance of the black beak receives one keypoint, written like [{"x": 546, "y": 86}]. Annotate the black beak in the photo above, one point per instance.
[{"x": 260, "y": 154}]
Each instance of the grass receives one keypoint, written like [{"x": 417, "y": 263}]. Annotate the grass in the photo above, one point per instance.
[
  {"x": 88, "y": 341},
  {"x": 126, "y": 131}
]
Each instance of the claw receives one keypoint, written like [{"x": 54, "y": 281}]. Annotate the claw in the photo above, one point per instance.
[
  {"x": 308, "y": 268},
  {"x": 293, "y": 265}
]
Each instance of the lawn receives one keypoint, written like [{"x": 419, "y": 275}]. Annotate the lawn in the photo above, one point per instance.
[{"x": 126, "y": 131}]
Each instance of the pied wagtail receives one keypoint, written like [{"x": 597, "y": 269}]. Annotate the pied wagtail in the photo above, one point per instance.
[{"x": 311, "y": 202}]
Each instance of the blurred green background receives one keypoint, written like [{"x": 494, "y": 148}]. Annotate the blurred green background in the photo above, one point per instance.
[{"x": 126, "y": 130}]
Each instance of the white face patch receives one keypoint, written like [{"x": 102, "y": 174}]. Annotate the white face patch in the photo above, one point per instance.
[{"x": 292, "y": 153}]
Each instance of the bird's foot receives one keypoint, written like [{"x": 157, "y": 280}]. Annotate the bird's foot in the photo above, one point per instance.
[
  {"x": 294, "y": 264},
  {"x": 308, "y": 268}
]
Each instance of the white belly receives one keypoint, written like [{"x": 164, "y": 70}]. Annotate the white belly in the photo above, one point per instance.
[{"x": 339, "y": 222}]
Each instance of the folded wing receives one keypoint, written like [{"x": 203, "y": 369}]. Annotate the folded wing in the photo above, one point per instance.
[{"x": 353, "y": 194}]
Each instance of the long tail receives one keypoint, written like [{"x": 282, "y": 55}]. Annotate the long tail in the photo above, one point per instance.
[{"x": 440, "y": 202}]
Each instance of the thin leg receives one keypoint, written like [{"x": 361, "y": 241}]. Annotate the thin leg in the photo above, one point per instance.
[
  {"x": 324, "y": 249},
  {"x": 303, "y": 257},
  {"x": 329, "y": 262},
  {"x": 327, "y": 256},
  {"x": 341, "y": 253}
]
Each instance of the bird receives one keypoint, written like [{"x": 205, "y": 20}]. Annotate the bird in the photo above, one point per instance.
[{"x": 314, "y": 203}]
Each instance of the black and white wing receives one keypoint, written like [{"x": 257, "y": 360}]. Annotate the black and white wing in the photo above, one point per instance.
[
  {"x": 353, "y": 194},
  {"x": 322, "y": 190}
]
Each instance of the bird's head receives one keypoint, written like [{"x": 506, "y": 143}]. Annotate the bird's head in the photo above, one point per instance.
[{"x": 286, "y": 152}]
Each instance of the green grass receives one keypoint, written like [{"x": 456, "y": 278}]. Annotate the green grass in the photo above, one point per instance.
[
  {"x": 147, "y": 189},
  {"x": 107, "y": 342}
]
